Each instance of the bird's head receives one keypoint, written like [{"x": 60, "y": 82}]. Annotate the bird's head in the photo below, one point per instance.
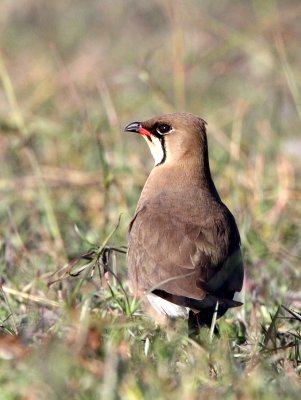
[{"x": 173, "y": 137}]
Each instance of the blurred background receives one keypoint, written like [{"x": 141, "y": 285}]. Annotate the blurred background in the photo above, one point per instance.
[{"x": 74, "y": 73}]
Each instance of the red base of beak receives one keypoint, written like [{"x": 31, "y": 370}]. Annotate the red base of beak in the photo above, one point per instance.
[{"x": 144, "y": 132}]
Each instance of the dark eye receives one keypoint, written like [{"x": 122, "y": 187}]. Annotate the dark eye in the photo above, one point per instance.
[{"x": 163, "y": 129}]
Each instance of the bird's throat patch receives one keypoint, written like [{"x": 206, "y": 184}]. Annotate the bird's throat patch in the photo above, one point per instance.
[{"x": 157, "y": 148}]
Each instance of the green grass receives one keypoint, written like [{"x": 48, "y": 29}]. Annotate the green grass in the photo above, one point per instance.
[{"x": 72, "y": 76}]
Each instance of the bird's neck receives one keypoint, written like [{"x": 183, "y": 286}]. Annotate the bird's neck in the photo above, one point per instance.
[{"x": 188, "y": 176}]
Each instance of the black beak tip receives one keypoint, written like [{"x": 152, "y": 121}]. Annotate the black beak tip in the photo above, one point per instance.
[{"x": 133, "y": 127}]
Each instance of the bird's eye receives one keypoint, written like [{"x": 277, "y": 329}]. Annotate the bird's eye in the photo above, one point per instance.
[{"x": 163, "y": 129}]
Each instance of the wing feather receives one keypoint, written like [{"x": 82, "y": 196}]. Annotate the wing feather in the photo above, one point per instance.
[{"x": 184, "y": 253}]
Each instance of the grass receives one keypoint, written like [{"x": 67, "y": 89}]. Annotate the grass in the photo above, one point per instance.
[{"x": 71, "y": 78}]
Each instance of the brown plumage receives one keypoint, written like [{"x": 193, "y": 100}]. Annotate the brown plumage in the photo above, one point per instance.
[{"x": 184, "y": 245}]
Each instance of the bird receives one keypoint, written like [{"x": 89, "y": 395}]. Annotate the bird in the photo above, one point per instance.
[{"x": 184, "y": 248}]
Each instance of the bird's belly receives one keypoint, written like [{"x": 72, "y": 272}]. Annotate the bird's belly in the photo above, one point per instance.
[{"x": 165, "y": 307}]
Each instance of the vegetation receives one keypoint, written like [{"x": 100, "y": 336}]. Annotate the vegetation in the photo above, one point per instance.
[{"x": 72, "y": 75}]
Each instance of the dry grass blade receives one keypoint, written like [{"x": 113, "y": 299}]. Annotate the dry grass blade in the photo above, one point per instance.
[
  {"x": 295, "y": 314},
  {"x": 30, "y": 297},
  {"x": 11, "y": 97}
]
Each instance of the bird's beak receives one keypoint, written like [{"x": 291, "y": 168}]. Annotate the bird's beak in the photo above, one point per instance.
[{"x": 137, "y": 127}]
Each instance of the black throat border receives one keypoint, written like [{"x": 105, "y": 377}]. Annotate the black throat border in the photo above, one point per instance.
[{"x": 162, "y": 141}]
